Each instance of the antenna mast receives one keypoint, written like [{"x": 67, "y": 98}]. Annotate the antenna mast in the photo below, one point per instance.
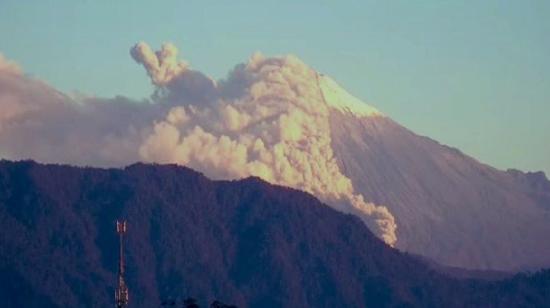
[{"x": 121, "y": 293}]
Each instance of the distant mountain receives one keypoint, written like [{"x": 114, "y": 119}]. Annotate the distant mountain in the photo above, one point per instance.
[
  {"x": 447, "y": 205},
  {"x": 244, "y": 242},
  {"x": 280, "y": 120}
]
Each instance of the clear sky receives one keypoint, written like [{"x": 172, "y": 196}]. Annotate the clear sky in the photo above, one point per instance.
[{"x": 471, "y": 74}]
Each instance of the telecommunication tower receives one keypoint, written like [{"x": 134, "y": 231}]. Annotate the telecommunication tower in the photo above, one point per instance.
[{"x": 121, "y": 293}]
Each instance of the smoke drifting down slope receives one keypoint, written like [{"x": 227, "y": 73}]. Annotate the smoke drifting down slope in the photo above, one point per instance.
[{"x": 269, "y": 118}]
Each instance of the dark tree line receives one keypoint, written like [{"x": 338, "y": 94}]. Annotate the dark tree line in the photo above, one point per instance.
[
  {"x": 256, "y": 244},
  {"x": 192, "y": 303}
]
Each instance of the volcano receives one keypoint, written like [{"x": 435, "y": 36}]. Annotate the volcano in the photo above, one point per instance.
[
  {"x": 280, "y": 120},
  {"x": 447, "y": 205}
]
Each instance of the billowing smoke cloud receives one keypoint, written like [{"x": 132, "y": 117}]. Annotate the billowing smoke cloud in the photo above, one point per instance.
[
  {"x": 162, "y": 66},
  {"x": 268, "y": 118},
  {"x": 38, "y": 122},
  {"x": 278, "y": 129},
  {"x": 173, "y": 76},
  {"x": 8, "y": 67}
]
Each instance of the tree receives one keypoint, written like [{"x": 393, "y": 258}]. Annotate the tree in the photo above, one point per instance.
[
  {"x": 190, "y": 303},
  {"x": 218, "y": 304}
]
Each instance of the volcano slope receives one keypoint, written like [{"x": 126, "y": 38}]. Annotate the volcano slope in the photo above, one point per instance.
[
  {"x": 447, "y": 205},
  {"x": 245, "y": 242},
  {"x": 278, "y": 119}
]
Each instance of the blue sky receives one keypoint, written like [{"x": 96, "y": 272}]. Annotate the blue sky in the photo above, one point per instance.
[{"x": 471, "y": 74}]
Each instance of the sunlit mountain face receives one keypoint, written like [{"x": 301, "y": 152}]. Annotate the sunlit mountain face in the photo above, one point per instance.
[
  {"x": 447, "y": 206},
  {"x": 280, "y": 120}
]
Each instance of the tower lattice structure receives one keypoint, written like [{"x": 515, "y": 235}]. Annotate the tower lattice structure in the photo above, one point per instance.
[{"x": 121, "y": 293}]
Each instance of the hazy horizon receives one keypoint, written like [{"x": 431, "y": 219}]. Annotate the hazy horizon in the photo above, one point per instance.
[{"x": 475, "y": 76}]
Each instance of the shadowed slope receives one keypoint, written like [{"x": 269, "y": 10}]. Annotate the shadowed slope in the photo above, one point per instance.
[{"x": 244, "y": 242}]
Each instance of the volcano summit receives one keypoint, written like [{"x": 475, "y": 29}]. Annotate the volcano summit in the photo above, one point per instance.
[{"x": 280, "y": 120}]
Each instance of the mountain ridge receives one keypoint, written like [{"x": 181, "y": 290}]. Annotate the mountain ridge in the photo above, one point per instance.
[{"x": 245, "y": 242}]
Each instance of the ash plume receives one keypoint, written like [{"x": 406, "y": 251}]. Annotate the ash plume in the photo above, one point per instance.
[{"x": 268, "y": 118}]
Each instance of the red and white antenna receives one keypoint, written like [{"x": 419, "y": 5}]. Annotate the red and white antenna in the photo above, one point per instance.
[{"x": 121, "y": 293}]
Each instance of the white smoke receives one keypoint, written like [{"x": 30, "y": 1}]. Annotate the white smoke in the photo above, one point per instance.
[
  {"x": 162, "y": 66},
  {"x": 173, "y": 76},
  {"x": 278, "y": 130},
  {"x": 8, "y": 67},
  {"x": 38, "y": 122},
  {"x": 268, "y": 118}
]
